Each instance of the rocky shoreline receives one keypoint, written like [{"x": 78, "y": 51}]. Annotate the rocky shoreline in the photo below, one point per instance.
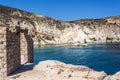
[
  {"x": 46, "y": 30},
  {"x": 56, "y": 70}
]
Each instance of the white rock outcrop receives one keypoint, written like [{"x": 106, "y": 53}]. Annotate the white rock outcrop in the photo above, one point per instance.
[{"x": 56, "y": 70}]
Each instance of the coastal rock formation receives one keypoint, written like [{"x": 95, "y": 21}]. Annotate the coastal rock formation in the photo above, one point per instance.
[
  {"x": 113, "y": 77},
  {"x": 56, "y": 70},
  {"x": 51, "y": 31}
]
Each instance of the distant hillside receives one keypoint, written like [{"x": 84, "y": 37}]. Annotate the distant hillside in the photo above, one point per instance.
[{"x": 51, "y": 31}]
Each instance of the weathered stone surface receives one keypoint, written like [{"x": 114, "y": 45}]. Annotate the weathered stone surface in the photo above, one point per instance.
[
  {"x": 14, "y": 50},
  {"x": 56, "y": 70},
  {"x": 3, "y": 64},
  {"x": 113, "y": 77}
]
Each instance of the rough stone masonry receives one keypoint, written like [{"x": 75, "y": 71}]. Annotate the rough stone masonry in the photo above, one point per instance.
[{"x": 16, "y": 48}]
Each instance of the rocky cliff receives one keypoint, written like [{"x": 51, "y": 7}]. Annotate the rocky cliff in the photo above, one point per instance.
[{"x": 51, "y": 31}]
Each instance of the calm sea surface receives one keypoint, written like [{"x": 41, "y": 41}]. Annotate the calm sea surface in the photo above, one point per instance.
[{"x": 100, "y": 57}]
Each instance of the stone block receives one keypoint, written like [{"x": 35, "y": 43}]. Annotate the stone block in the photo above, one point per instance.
[
  {"x": 2, "y": 32},
  {"x": 2, "y": 55},
  {"x": 2, "y": 47}
]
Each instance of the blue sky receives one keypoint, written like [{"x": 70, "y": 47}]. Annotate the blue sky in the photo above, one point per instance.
[{"x": 68, "y": 10}]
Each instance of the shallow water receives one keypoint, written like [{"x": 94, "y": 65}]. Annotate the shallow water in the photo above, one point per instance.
[{"x": 100, "y": 57}]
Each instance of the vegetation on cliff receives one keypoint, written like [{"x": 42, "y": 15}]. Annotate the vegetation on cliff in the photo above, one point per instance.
[{"x": 51, "y": 31}]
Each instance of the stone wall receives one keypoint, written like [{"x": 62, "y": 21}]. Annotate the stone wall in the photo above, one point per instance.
[
  {"x": 16, "y": 48},
  {"x": 26, "y": 47},
  {"x": 3, "y": 65},
  {"x": 13, "y": 48},
  {"x": 23, "y": 47}
]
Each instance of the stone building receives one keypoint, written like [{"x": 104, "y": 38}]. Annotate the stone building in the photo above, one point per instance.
[{"x": 16, "y": 48}]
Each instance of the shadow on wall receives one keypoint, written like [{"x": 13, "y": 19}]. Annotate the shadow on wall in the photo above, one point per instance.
[
  {"x": 24, "y": 68},
  {"x": 26, "y": 47},
  {"x": 13, "y": 46}
]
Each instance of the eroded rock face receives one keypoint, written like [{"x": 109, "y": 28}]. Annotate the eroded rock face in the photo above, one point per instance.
[
  {"x": 51, "y": 31},
  {"x": 56, "y": 70},
  {"x": 113, "y": 77}
]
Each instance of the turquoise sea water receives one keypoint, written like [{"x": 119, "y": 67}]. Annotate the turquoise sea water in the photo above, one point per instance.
[{"x": 100, "y": 57}]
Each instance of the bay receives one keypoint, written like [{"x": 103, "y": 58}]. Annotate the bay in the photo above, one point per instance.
[{"x": 100, "y": 57}]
